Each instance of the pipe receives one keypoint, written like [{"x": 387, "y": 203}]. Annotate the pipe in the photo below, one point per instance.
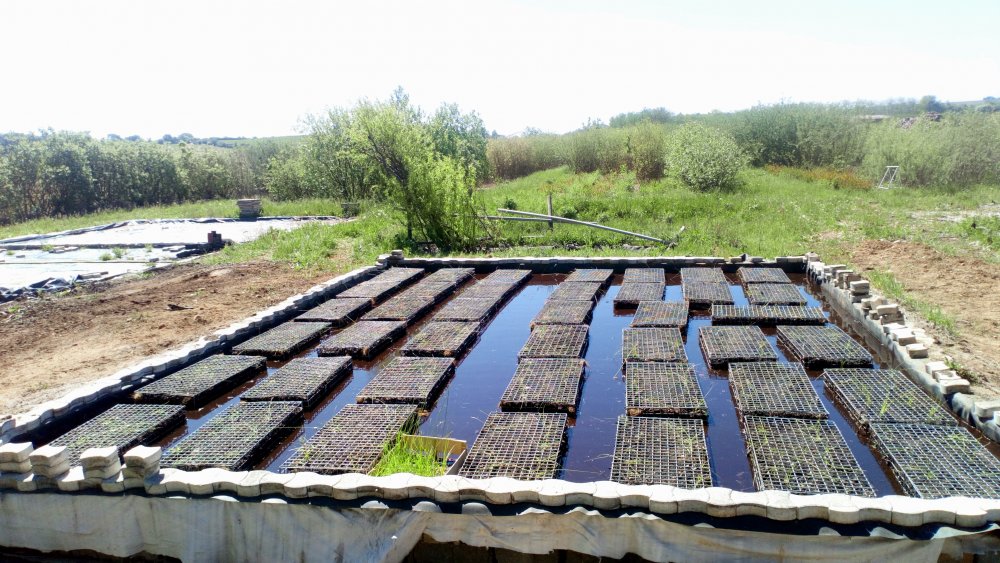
[{"x": 584, "y": 223}]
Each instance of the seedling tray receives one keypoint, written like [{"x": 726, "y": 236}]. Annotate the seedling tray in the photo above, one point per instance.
[
  {"x": 773, "y": 389},
  {"x": 555, "y": 341},
  {"x": 632, "y": 293},
  {"x": 408, "y": 379},
  {"x": 724, "y": 344},
  {"x": 653, "y": 345},
  {"x": 282, "y": 341},
  {"x": 661, "y": 314},
  {"x": 544, "y": 384},
  {"x": 520, "y": 445},
  {"x": 663, "y": 389},
  {"x": 767, "y": 315},
  {"x": 363, "y": 339},
  {"x": 306, "y": 380},
  {"x": 195, "y": 385},
  {"x": 661, "y": 451},
  {"x": 121, "y": 426},
  {"x": 823, "y": 346},
  {"x": 442, "y": 338},
  {"x": 337, "y": 312}
]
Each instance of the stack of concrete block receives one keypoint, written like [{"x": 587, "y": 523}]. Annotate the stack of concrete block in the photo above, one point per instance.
[
  {"x": 249, "y": 208},
  {"x": 141, "y": 463},
  {"x": 49, "y": 462},
  {"x": 988, "y": 408},
  {"x": 886, "y": 314},
  {"x": 14, "y": 457},
  {"x": 100, "y": 464},
  {"x": 948, "y": 380}
]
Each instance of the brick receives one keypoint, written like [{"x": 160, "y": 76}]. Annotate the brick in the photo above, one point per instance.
[
  {"x": 916, "y": 350},
  {"x": 860, "y": 287},
  {"x": 955, "y": 386},
  {"x": 15, "y": 452},
  {"x": 987, "y": 408},
  {"x": 934, "y": 367}
]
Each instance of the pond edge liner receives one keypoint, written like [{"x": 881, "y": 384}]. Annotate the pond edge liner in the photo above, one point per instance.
[{"x": 662, "y": 499}]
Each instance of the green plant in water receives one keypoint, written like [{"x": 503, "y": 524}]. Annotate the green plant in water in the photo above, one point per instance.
[
  {"x": 400, "y": 457},
  {"x": 106, "y": 256},
  {"x": 118, "y": 252}
]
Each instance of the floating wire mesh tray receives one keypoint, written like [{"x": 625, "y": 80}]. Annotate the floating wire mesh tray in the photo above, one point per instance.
[
  {"x": 436, "y": 291},
  {"x": 661, "y": 314},
  {"x": 599, "y": 276},
  {"x": 544, "y": 384},
  {"x": 724, "y": 344},
  {"x": 883, "y": 395},
  {"x": 520, "y": 445},
  {"x": 399, "y": 275},
  {"x": 763, "y": 275},
  {"x": 663, "y": 388},
  {"x": 305, "y": 380},
  {"x": 363, "y": 339},
  {"x": 561, "y": 312},
  {"x": 353, "y": 440},
  {"x": 121, "y": 426},
  {"x": 632, "y": 293},
  {"x": 644, "y": 275},
  {"x": 408, "y": 379},
  {"x": 707, "y": 293},
  {"x": 653, "y": 345},
  {"x": 196, "y": 384},
  {"x": 661, "y": 451},
  {"x": 773, "y": 389},
  {"x": 236, "y": 438},
  {"x": 555, "y": 341},
  {"x": 283, "y": 340},
  {"x": 513, "y": 278},
  {"x": 442, "y": 338},
  {"x": 767, "y": 315},
  {"x": 823, "y": 346},
  {"x": 774, "y": 294},
  {"x": 337, "y": 312},
  {"x": 453, "y": 275},
  {"x": 803, "y": 457},
  {"x": 495, "y": 291},
  {"x": 372, "y": 290},
  {"x": 703, "y": 275},
  {"x": 934, "y": 461},
  {"x": 404, "y": 307},
  {"x": 461, "y": 309},
  {"x": 576, "y": 291}
]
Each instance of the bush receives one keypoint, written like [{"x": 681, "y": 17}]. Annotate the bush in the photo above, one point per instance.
[{"x": 704, "y": 158}]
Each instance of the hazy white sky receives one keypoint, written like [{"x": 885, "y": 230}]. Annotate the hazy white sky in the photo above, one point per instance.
[{"x": 250, "y": 68}]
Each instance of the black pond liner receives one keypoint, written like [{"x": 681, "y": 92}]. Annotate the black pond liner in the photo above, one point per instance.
[
  {"x": 661, "y": 451},
  {"x": 408, "y": 379},
  {"x": 544, "y": 384},
  {"x": 282, "y": 341},
  {"x": 773, "y": 389},
  {"x": 236, "y": 438},
  {"x": 197, "y": 384},
  {"x": 353, "y": 440},
  {"x": 644, "y": 275},
  {"x": 338, "y": 312},
  {"x": 653, "y": 345},
  {"x": 661, "y": 314},
  {"x": 762, "y": 275},
  {"x": 577, "y": 291},
  {"x": 121, "y": 426},
  {"x": 702, "y": 293},
  {"x": 442, "y": 338},
  {"x": 823, "y": 346},
  {"x": 802, "y": 456},
  {"x": 363, "y": 339},
  {"x": 555, "y": 341},
  {"x": 306, "y": 380},
  {"x": 702, "y": 275},
  {"x": 935, "y": 461},
  {"x": 774, "y": 294},
  {"x": 520, "y": 445},
  {"x": 724, "y": 344},
  {"x": 663, "y": 389},
  {"x": 405, "y": 307},
  {"x": 564, "y": 312},
  {"x": 513, "y": 278},
  {"x": 600, "y": 276},
  {"x": 463, "y": 309},
  {"x": 767, "y": 315},
  {"x": 883, "y": 395},
  {"x": 633, "y": 293}
]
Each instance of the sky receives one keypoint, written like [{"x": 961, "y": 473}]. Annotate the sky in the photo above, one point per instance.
[{"x": 256, "y": 68}]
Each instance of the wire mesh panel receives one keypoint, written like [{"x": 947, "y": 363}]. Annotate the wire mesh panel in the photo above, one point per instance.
[
  {"x": 495, "y": 291},
  {"x": 707, "y": 293},
  {"x": 632, "y": 293},
  {"x": 122, "y": 426},
  {"x": 661, "y": 314},
  {"x": 513, "y": 278},
  {"x": 442, "y": 338},
  {"x": 598, "y": 276},
  {"x": 562, "y": 312},
  {"x": 520, "y": 445},
  {"x": 408, "y": 379},
  {"x": 305, "y": 380},
  {"x": 544, "y": 384},
  {"x": 203, "y": 381},
  {"x": 763, "y": 275},
  {"x": 724, "y": 344},
  {"x": 363, "y": 339},
  {"x": 883, "y": 395},
  {"x": 935, "y": 461},
  {"x": 802, "y": 456},
  {"x": 653, "y": 345},
  {"x": 353, "y": 440},
  {"x": 236, "y": 438},
  {"x": 373, "y": 291},
  {"x": 774, "y": 294},
  {"x": 405, "y": 307},
  {"x": 703, "y": 275},
  {"x": 661, "y": 451},
  {"x": 823, "y": 346},
  {"x": 283, "y": 340},
  {"x": 767, "y": 315},
  {"x": 644, "y": 275},
  {"x": 452, "y": 275},
  {"x": 555, "y": 341},
  {"x": 461, "y": 309},
  {"x": 338, "y": 312},
  {"x": 431, "y": 289},
  {"x": 773, "y": 389},
  {"x": 401, "y": 276},
  {"x": 663, "y": 388},
  {"x": 576, "y": 291}
]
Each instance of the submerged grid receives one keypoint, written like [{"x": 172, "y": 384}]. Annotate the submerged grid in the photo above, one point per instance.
[
  {"x": 724, "y": 344},
  {"x": 821, "y": 346},
  {"x": 934, "y": 461},
  {"x": 767, "y": 315},
  {"x": 773, "y": 389},
  {"x": 632, "y": 293},
  {"x": 599, "y": 276},
  {"x": 338, "y": 312},
  {"x": 707, "y": 293},
  {"x": 193, "y": 385},
  {"x": 363, "y": 339},
  {"x": 408, "y": 379},
  {"x": 702, "y": 275},
  {"x": 663, "y": 388},
  {"x": 122, "y": 426},
  {"x": 555, "y": 341},
  {"x": 305, "y": 380},
  {"x": 513, "y": 278},
  {"x": 399, "y": 275},
  {"x": 883, "y": 395},
  {"x": 802, "y": 456},
  {"x": 236, "y": 438},
  {"x": 453, "y": 275},
  {"x": 661, "y": 314},
  {"x": 661, "y": 451},
  {"x": 495, "y": 291},
  {"x": 442, "y": 338},
  {"x": 520, "y": 445},
  {"x": 353, "y": 440},
  {"x": 462, "y": 309},
  {"x": 774, "y": 294},
  {"x": 763, "y": 275},
  {"x": 404, "y": 307},
  {"x": 372, "y": 290},
  {"x": 544, "y": 384},
  {"x": 576, "y": 291},
  {"x": 644, "y": 275},
  {"x": 562, "y": 312},
  {"x": 283, "y": 340},
  {"x": 653, "y": 345}
]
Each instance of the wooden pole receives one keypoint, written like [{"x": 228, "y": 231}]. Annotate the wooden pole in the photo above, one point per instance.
[{"x": 551, "y": 223}]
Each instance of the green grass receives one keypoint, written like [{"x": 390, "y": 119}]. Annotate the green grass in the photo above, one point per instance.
[
  {"x": 894, "y": 290},
  {"x": 399, "y": 458}
]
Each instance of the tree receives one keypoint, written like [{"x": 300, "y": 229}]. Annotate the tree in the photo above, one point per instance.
[{"x": 930, "y": 104}]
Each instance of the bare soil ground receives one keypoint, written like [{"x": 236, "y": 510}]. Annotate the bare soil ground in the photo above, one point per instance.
[
  {"x": 966, "y": 289},
  {"x": 49, "y": 345}
]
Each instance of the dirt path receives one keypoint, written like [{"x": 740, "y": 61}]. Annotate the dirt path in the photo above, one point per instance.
[
  {"x": 966, "y": 289},
  {"x": 50, "y": 345}
]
